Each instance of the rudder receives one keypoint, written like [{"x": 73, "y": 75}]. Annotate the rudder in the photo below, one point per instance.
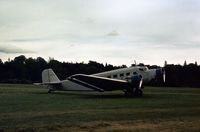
[{"x": 48, "y": 76}]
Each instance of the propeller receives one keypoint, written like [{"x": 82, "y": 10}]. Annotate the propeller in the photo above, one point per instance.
[
  {"x": 140, "y": 85},
  {"x": 164, "y": 76}
]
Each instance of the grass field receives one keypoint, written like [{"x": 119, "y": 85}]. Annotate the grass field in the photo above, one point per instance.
[{"x": 30, "y": 108}]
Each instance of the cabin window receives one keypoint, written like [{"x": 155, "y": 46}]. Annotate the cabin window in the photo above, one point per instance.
[
  {"x": 134, "y": 73},
  {"x": 121, "y": 75},
  {"x": 128, "y": 74},
  {"x": 108, "y": 76},
  {"x": 114, "y": 76}
]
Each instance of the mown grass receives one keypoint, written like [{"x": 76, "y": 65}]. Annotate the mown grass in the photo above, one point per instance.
[{"x": 29, "y": 106}]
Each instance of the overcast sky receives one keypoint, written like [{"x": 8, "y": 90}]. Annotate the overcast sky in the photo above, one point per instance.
[{"x": 113, "y": 31}]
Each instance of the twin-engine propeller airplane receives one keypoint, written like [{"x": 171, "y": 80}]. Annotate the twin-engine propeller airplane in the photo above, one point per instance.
[{"x": 130, "y": 80}]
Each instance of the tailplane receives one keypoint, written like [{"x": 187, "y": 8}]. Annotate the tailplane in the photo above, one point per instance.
[{"x": 48, "y": 76}]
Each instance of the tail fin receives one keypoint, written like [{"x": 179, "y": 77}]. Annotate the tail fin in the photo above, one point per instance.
[{"x": 48, "y": 76}]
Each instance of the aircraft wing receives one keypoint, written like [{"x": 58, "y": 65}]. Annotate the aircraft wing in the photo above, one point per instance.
[{"x": 99, "y": 83}]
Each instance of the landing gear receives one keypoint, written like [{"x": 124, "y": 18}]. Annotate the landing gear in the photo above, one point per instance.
[
  {"x": 138, "y": 93},
  {"x": 135, "y": 87},
  {"x": 128, "y": 94},
  {"x": 134, "y": 92},
  {"x": 51, "y": 89}
]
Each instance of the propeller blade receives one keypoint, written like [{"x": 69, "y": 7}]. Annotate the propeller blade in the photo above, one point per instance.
[
  {"x": 164, "y": 76},
  {"x": 140, "y": 85}
]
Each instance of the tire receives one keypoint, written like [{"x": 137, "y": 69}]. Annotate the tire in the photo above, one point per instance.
[
  {"x": 140, "y": 93},
  {"x": 49, "y": 91}
]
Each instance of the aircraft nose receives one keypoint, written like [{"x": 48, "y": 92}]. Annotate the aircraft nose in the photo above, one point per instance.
[{"x": 160, "y": 74}]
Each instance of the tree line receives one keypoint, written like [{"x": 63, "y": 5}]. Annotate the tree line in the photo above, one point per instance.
[{"x": 28, "y": 70}]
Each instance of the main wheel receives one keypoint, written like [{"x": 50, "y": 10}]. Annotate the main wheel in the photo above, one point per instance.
[
  {"x": 129, "y": 93},
  {"x": 140, "y": 93},
  {"x": 49, "y": 91}
]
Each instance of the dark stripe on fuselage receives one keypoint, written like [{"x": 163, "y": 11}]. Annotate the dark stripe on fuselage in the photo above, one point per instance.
[{"x": 101, "y": 83}]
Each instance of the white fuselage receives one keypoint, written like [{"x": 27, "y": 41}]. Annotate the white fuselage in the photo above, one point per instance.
[{"x": 121, "y": 74}]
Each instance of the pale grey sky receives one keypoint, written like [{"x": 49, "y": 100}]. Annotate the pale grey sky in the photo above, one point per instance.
[{"x": 112, "y": 31}]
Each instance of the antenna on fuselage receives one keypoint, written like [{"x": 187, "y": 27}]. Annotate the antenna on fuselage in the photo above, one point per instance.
[{"x": 135, "y": 62}]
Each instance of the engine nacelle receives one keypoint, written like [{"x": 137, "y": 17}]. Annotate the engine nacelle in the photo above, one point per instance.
[
  {"x": 136, "y": 86},
  {"x": 135, "y": 81},
  {"x": 160, "y": 75}
]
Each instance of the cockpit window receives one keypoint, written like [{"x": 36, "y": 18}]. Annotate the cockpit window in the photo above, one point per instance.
[{"x": 141, "y": 69}]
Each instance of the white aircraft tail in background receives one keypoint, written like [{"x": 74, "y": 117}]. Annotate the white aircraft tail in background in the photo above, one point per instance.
[{"x": 48, "y": 76}]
